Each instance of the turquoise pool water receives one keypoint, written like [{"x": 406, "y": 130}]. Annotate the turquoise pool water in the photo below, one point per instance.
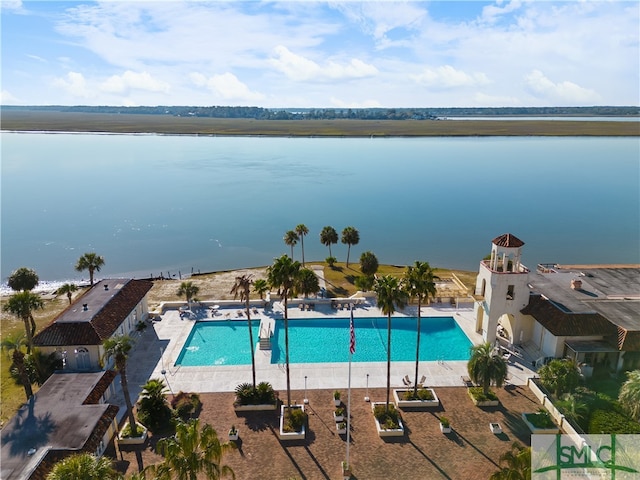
[{"x": 327, "y": 340}]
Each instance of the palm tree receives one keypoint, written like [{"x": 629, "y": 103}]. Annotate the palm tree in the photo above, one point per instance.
[
  {"x": 368, "y": 263},
  {"x": 118, "y": 348},
  {"x": 307, "y": 282},
  {"x": 390, "y": 295},
  {"x": 419, "y": 282},
  {"x": 302, "y": 230},
  {"x": 350, "y": 236},
  {"x": 283, "y": 275},
  {"x": 189, "y": 290},
  {"x": 328, "y": 236},
  {"x": 84, "y": 465},
  {"x": 560, "y": 375},
  {"x": 67, "y": 288},
  {"x": 13, "y": 344},
  {"x": 192, "y": 451},
  {"x": 260, "y": 286},
  {"x": 291, "y": 238},
  {"x": 629, "y": 396},
  {"x": 486, "y": 366},
  {"x": 22, "y": 305},
  {"x": 153, "y": 407},
  {"x": 517, "y": 463},
  {"x": 23, "y": 279},
  {"x": 242, "y": 287},
  {"x": 90, "y": 261}
]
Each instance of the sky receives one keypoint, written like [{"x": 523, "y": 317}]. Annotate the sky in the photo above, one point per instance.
[{"x": 306, "y": 53}]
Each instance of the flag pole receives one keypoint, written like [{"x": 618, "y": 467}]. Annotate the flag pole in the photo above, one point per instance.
[{"x": 352, "y": 348}]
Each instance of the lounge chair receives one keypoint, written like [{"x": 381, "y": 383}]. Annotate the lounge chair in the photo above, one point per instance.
[
  {"x": 407, "y": 381},
  {"x": 422, "y": 380},
  {"x": 466, "y": 380}
]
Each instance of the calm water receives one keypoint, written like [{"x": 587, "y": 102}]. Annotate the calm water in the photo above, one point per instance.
[
  {"x": 327, "y": 340},
  {"x": 169, "y": 203}
]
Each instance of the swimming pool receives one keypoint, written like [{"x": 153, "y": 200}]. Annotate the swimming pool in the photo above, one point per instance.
[{"x": 327, "y": 340}]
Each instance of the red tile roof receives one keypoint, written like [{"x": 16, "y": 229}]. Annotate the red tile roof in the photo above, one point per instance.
[
  {"x": 107, "y": 309},
  {"x": 507, "y": 240}
]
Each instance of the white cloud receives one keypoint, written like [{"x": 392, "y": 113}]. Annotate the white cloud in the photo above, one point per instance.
[
  {"x": 38, "y": 58},
  {"x": 299, "y": 68},
  {"x": 133, "y": 81},
  {"x": 492, "y": 13},
  {"x": 447, "y": 77},
  {"x": 562, "y": 93},
  {"x": 73, "y": 83},
  {"x": 227, "y": 86}
]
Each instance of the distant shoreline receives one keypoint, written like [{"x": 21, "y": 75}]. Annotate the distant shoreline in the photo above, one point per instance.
[{"x": 73, "y": 122}]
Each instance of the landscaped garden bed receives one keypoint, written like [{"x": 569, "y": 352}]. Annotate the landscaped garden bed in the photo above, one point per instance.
[
  {"x": 540, "y": 422},
  {"x": 292, "y": 422},
  {"x": 125, "y": 438},
  {"x": 388, "y": 424},
  {"x": 261, "y": 398},
  {"x": 482, "y": 399},
  {"x": 426, "y": 398}
]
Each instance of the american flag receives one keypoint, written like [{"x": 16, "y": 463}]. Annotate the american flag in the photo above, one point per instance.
[{"x": 352, "y": 334}]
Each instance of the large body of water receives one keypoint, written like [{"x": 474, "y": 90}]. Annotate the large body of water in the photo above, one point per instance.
[{"x": 152, "y": 204}]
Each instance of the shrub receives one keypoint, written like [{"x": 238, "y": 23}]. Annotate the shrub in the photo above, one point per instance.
[
  {"x": 186, "y": 405},
  {"x": 444, "y": 421},
  {"x": 387, "y": 420},
  {"x": 153, "y": 408},
  {"x": 541, "y": 419},
  {"x": 331, "y": 261},
  {"x": 265, "y": 393},
  {"x": 607, "y": 421},
  {"x": 423, "y": 394},
  {"x": 262, "y": 394},
  {"x": 294, "y": 419},
  {"x": 480, "y": 396}
]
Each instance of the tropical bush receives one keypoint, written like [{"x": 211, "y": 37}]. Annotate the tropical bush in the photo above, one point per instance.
[
  {"x": 364, "y": 282},
  {"x": 153, "y": 408},
  {"x": 560, "y": 376},
  {"x": 541, "y": 419},
  {"x": 629, "y": 396},
  {"x": 294, "y": 419},
  {"x": 480, "y": 396},
  {"x": 445, "y": 421},
  {"x": 388, "y": 419},
  {"x": 262, "y": 394},
  {"x": 186, "y": 405},
  {"x": 608, "y": 421},
  {"x": 39, "y": 367},
  {"x": 423, "y": 394},
  {"x": 331, "y": 261}
]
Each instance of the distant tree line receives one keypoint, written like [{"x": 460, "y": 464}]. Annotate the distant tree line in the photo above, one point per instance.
[{"x": 258, "y": 113}]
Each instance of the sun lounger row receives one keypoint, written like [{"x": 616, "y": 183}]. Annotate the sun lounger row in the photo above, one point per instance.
[
  {"x": 407, "y": 381},
  {"x": 307, "y": 306}
]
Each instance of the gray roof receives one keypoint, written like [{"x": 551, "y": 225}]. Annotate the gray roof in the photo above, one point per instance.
[
  {"x": 613, "y": 292},
  {"x": 55, "y": 419}
]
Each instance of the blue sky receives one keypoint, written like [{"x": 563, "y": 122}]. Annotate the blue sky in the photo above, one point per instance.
[{"x": 321, "y": 54}]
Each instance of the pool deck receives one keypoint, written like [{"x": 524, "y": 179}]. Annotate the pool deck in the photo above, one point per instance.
[{"x": 159, "y": 346}]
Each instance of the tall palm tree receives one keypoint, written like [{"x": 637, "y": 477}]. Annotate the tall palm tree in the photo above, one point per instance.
[
  {"x": 67, "y": 288},
  {"x": 283, "y": 275},
  {"x": 118, "y": 348},
  {"x": 90, "y": 261},
  {"x": 22, "y": 305},
  {"x": 23, "y": 279},
  {"x": 291, "y": 238},
  {"x": 350, "y": 236},
  {"x": 242, "y": 287},
  {"x": 486, "y": 366},
  {"x": 391, "y": 295},
  {"x": 192, "y": 451},
  {"x": 419, "y": 282},
  {"x": 328, "y": 236},
  {"x": 84, "y": 465},
  {"x": 189, "y": 290},
  {"x": 629, "y": 396},
  {"x": 260, "y": 286},
  {"x": 517, "y": 464},
  {"x": 302, "y": 230},
  {"x": 12, "y": 344}
]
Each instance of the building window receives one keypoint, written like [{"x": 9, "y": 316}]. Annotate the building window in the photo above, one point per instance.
[{"x": 510, "y": 289}]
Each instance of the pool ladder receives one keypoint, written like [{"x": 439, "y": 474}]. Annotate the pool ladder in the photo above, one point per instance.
[{"x": 265, "y": 336}]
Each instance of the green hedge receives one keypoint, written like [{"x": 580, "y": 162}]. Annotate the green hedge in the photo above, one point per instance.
[{"x": 610, "y": 421}]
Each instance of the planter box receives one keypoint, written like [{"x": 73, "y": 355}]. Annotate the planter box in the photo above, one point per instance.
[
  {"x": 337, "y": 402},
  {"x": 134, "y": 440},
  {"x": 338, "y": 418},
  {"x": 290, "y": 435},
  {"x": 396, "y": 432},
  {"x": 341, "y": 431},
  {"x": 535, "y": 429},
  {"x": 234, "y": 436},
  {"x": 255, "y": 408},
  {"x": 444, "y": 429},
  {"x": 495, "y": 428},
  {"x": 483, "y": 403},
  {"x": 398, "y": 395},
  {"x": 346, "y": 472}
]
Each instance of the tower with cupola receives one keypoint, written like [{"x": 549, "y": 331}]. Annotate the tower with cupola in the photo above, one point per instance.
[{"x": 502, "y": 291}]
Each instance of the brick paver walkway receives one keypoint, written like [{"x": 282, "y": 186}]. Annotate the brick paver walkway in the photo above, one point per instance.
[{"x": 470, "y": 452}]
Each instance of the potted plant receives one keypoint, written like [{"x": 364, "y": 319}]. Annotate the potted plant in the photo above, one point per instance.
[
  {"x": 338, "y": 414},
  {"x": 341, "y": 427},
  {"x": 233, "y": 433},
  {"x": 346, "y": 471},
  {"x": 336, "y": 398},
  {"x": 445, "y": 425},
  {"x": 292, "y": 422}
]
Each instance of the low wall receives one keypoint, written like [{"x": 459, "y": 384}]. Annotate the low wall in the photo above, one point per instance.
[{"x": 560, "y": 419}]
